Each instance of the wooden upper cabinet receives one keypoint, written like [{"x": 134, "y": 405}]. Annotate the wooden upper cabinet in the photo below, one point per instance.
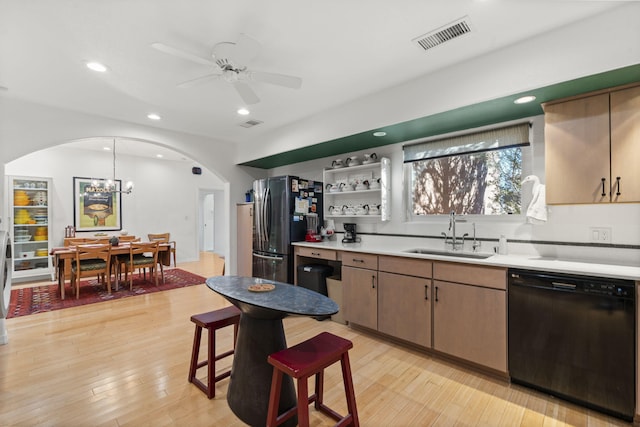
[
  {"x": 592, "y": 149},
  {"x": 576, "y": 137},
  {"x": 625, "y": 145}
]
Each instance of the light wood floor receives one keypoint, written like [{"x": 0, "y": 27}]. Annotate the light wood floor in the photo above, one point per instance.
[{"x": 125, "y": 363}]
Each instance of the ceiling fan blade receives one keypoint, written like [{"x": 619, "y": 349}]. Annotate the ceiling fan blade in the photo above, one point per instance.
[
  {"x": 199, "y": 80},
  {"x": 246, "y": 93},
  {"x": 182, "y": 54},
  {"x": 276, "y": 79},
  {"x": 244, "y": 50}
]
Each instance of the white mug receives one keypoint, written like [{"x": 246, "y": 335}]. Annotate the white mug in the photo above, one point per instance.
[
  {"x": 362, "y": 210},
  {"x": 346, "y": 186},
  {"x": 353, "y": 161},
  {"x": 375, "y": 184},
  {"x": 370, "y": 158},
  {"x": 364, "y": 185},
  {"x": 337, "y": 163}
]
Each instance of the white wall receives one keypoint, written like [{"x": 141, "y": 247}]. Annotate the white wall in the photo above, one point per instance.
[{"x": 164, "y": 198}]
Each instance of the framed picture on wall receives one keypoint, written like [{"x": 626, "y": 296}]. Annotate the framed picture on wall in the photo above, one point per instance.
[{"x": 96, "y": 208}]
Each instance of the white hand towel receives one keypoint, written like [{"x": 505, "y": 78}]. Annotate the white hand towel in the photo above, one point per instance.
[{"x": 537, "y": 210}]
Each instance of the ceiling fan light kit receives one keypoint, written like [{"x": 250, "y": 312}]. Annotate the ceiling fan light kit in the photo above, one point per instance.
[{"x": 229, "y": 62}]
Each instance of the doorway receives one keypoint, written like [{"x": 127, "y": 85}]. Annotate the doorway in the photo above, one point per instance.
[
  {"x": 208, "y": 221},
  {"x": 212, "y": 217}
]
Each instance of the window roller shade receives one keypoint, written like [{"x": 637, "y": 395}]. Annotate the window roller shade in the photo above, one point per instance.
[{"x": 493, "y": 139}]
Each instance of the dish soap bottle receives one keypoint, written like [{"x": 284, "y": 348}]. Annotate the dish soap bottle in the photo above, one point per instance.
[{"x": 502, "y": 245}]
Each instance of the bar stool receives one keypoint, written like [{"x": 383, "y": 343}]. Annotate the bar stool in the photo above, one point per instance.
[
  {"x": 212, "y": 321},
  {"x": 302, "y": 361}
]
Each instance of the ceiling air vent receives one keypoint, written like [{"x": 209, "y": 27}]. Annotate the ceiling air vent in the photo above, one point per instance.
[
  {"x": 443, "y": 34},
  {"x": 250, "y": 123}
]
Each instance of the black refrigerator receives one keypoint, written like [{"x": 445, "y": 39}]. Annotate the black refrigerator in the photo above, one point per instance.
[{"x": 281, "y": 205}]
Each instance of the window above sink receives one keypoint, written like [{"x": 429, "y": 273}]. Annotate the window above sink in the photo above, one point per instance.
[{"x": 474, "y": 174}]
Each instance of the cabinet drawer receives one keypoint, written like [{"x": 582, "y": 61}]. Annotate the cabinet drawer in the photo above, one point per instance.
[
  {"x": 406, "y": 266},
  {"x": 360, "y": 260},
  {"x": 317, "y": 253},
  {"x": 490, "y": 277}
]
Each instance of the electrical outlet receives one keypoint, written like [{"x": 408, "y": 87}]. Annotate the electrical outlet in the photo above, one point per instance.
[{"x": 600, "y": 234}]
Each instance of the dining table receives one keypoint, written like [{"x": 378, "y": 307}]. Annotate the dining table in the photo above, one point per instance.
[
  {"x": 263, "y": 304},
  {"x": 60, "y": 254}
]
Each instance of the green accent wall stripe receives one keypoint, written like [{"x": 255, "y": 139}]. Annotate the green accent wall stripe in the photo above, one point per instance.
[{"x": 485, "y": 113}]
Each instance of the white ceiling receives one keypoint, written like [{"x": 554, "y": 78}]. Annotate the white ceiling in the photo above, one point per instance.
[{"x": 342, "y": 50}]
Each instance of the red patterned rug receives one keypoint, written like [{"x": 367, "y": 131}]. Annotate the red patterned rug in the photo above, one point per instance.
[{"x": 39, "y": 299}]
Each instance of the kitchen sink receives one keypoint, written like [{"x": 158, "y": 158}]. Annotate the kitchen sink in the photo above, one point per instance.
[{"x": 449, "y": 253}]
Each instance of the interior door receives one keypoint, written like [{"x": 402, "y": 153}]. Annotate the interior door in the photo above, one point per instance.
[{"x": 208, "y": 216}]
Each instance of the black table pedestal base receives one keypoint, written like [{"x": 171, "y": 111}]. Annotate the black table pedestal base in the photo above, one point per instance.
[{"x": 248, "y": 393}]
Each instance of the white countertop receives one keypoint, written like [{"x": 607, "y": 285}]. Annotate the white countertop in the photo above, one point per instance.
[{"x": 531, "y": 262}]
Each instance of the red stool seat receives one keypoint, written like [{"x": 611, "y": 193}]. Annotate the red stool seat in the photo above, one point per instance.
[
  {"x": 212, "y": 321},
  {"x": 300, "y": 362}
]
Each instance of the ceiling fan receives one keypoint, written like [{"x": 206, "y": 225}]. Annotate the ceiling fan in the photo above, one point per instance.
[{"x": 229, "y": 62}]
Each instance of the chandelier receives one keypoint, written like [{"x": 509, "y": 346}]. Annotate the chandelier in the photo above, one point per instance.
[{"x": 109, "y": 185}]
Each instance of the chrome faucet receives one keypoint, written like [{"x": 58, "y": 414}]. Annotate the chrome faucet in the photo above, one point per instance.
[
  {"x": 453, "y": 240},
  {"x": 476, "y": 243}
]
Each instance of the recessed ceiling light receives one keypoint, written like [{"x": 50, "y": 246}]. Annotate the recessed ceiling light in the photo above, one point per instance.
[
  {"x": 243, "y": 111},
  {"x": 96, "y": 66},
  {"x": 159, "y": 156},
  {"x": 106, "y": 148},
  {"x": 524, "y": 99},
  {"x": 379, "y": 134},
  {"x": 153, "y": 116}
]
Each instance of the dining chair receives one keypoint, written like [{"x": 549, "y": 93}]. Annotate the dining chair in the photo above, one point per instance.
[
  {"x": 90, "y": 260},
  {"x": 164, "y": 238},
  {"x": 142, "y": 255}
]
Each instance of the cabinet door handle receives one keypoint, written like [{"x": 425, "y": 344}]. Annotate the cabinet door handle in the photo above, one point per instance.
[
  {"x": 373, "y": 282},
  {"x": 426, "y": 292},
  {"x": 436, "y": 294},
  {"x": 618, "y": 185},
  {"x": 315, "y": 253},
  {"x": 357, "y": 260},
  {"x": 603, "y": 192}
]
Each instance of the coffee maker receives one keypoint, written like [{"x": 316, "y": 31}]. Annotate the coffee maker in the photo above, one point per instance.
[{"x": 350, "y": 233}]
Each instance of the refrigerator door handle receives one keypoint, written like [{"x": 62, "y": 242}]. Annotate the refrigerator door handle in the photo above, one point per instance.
[
  {"x": 260, "y": 221},
  {"x": 263, "y": 209},
  {"x": 270, "y": 258},
  {"x": 267, "y": 203}
]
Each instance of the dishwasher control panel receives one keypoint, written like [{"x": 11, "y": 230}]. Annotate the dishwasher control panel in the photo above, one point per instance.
[{"x": 608, "y": 289}]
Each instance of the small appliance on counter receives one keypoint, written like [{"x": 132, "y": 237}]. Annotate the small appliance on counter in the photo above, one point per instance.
[
  {"x": 312, "y": 228},
  {"x": 350, "y": 233}
]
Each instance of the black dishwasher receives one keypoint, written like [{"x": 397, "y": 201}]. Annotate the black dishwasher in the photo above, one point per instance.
[{"x": 574, "y": 337}]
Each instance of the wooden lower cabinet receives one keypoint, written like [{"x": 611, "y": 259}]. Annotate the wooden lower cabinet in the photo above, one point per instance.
[
  {"x": 360, "y": 296},
  {"x": 469, "y": 322},
  {"x": 404, "y": 307}
]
